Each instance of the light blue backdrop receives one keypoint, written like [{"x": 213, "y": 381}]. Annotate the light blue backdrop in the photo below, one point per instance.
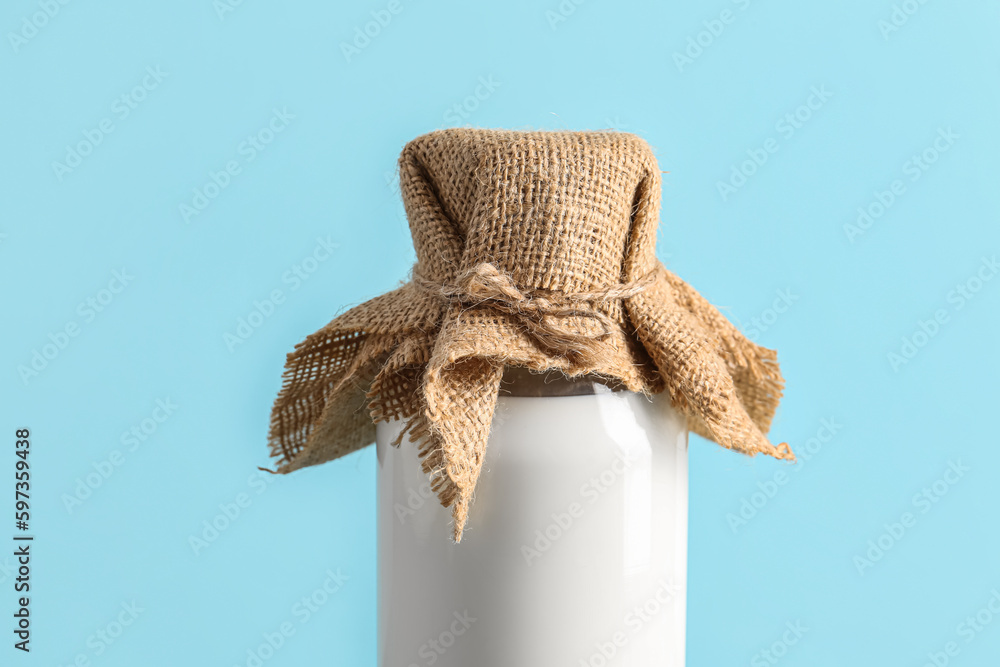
[{"x": 776, "y": 121}]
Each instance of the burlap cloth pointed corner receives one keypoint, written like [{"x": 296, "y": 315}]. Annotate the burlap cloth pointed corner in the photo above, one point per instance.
[{"x": 534, "y": 249}]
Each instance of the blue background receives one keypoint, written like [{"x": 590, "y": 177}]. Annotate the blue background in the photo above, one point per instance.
[{"x": 329, "y": 174}]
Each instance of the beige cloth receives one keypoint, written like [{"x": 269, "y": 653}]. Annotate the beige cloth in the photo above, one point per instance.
[{"x": 534, "y": 249}]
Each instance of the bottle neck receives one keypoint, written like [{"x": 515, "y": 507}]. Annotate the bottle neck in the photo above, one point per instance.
[{"x": 519, "y": 381}]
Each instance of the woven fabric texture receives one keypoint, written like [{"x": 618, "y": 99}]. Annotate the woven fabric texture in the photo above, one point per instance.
[{"x": 534, "y": 249}]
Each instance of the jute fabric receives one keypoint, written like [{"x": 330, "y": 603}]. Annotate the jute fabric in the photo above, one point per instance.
[{"x": 537, "y": 250}]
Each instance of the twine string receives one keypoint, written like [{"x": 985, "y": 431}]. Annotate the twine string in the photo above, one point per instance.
[{"x": 540, "y": 313}]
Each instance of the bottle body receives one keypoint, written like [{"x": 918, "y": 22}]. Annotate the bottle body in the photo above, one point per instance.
[{"x": 576, "y": 548}]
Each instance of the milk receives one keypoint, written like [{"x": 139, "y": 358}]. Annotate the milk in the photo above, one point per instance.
[{"x": 575, "y": 553}]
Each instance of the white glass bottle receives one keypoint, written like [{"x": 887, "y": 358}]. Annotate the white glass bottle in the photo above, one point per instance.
[{"x": 575, "y": 553}]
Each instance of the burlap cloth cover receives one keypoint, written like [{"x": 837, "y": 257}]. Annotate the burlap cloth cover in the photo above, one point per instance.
[{"x": 534, "y": 249}]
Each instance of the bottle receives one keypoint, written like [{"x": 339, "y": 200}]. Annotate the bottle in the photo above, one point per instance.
[
  {"x": 535, "y": 250},
  {"x": 577, "y": 551}
]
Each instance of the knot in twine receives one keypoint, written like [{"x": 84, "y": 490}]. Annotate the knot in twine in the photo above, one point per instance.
[{"x": 540, "y": 313}]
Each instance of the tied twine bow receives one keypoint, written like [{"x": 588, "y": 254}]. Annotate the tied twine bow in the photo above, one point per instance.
[{"x": 540, "y": 312}]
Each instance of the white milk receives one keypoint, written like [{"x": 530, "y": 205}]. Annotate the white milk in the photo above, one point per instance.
[{"x": 575, "y": 553}]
